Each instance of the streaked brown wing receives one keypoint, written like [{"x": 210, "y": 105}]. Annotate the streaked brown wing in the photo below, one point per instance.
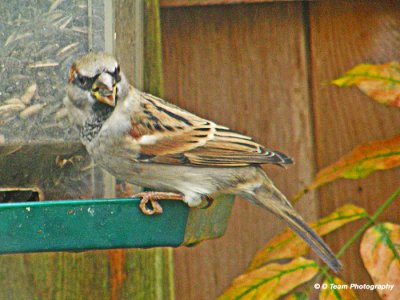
[{"x": 170, "y": 135}]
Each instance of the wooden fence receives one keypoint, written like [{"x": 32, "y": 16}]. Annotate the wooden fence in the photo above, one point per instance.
[{"x": 262, "y": 69}]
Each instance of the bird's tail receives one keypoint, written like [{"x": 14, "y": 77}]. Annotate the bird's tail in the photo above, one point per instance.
[{"x": 269, "y": 197}]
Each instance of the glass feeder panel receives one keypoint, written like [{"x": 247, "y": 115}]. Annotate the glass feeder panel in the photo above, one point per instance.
[{"x": 39, "y": 40}]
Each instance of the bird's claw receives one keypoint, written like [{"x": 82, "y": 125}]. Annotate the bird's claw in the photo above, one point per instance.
[
  {"x": 206, "y": 202},
  {"x": 149, "y": 204},
  {"x": 154, "y": 209}
]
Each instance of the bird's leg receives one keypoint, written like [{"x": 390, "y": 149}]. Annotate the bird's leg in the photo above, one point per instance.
[
  {"x": 152, "y": 197},
  {"x": 206, "y": 202}
]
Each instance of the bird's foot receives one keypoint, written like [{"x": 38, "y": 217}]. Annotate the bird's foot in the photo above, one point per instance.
[
  {"x": 206, "y": 202},
  {"x": 152, "y": 197}
]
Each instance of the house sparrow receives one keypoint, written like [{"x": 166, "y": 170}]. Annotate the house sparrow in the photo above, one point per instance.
[{"x": 148, "y": 142}]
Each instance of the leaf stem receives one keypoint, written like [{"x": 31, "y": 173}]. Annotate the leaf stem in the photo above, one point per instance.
[{"x": 371, "y": 220}]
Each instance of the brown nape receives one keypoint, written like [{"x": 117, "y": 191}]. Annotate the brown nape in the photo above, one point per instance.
[{"x": 72, "y": 72}]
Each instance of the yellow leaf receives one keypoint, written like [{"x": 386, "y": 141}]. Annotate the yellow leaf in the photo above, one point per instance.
[
  {"x": 359, "y": 163},
  {"x": 380, "y": 253},
  {"x": 288, "y": 244},
  {"x": 380, "y": 82},
  {"x": 335, "y": 289},
  {"x": 272, "y": 281},
  {"x": 297, "y": 296}
]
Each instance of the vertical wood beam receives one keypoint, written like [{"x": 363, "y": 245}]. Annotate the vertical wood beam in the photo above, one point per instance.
[
  {"x": 343, "y": 34},
  {"x": 243, "y": 66}
]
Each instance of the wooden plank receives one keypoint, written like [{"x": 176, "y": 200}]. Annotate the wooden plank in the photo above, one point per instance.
[
  {"x": 245, "y": 67},
  {"x": 153, "y": 78},
  {"x": 139, "y": 51},
  {"x": 177, "y": 3},
  {"x": 343, "y": 34},
  {"x": 129, "y": 45},
  {"x": 84, "y": 275}
]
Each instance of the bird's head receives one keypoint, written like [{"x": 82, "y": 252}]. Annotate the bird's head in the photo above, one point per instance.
[{"x": 96, "y": 79}]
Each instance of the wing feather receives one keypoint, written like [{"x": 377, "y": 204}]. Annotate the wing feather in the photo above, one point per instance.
[{"x": 170, "y": 135}]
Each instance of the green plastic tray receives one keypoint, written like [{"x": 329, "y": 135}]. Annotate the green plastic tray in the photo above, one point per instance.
[{"x": 77, "y": 225}]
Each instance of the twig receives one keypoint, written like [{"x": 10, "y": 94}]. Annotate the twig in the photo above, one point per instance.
[{"x": 371, "y": 220}]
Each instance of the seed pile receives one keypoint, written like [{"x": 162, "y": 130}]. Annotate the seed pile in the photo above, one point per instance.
[{"x": 38, "y": 42}]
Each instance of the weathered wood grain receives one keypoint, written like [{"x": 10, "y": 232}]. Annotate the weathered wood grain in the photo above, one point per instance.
[
  {"x": 86, "y": 275},
  {"x": 245, "y": 67},
  {"x": 143, "y": 58},
  {"x": 177, "y": 3},
  {"x": 129, "y": 43},
  {"x": 343, "y": 34}
]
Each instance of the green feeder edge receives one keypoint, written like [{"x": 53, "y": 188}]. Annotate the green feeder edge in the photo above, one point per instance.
[{"x": 78, "y": 225}]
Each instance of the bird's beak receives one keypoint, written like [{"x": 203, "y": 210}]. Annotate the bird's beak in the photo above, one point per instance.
[{"x": 104, "y": 89}]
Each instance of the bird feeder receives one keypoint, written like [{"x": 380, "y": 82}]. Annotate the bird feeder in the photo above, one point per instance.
[{"x": 42, "y": 163}]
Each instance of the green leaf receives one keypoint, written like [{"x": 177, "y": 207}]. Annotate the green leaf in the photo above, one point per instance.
[
  {"x": 380, "y": 82},
  {"x": 272, "y": 281},
  {"x": 288, "y": 244},
  {"x": 336, "y": 289},
  {"x": 380, "y": 253},
  {"x": 362, "y": 161},
  {"x": 297, "y": 296}
]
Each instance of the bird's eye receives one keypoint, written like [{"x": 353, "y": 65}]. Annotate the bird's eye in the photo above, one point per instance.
[
  {"x": 84, "y": 82},
  {"x": 81, "y": 80}
]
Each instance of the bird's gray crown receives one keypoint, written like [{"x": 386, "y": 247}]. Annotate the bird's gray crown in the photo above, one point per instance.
[{"x": 95, "y": 63}]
